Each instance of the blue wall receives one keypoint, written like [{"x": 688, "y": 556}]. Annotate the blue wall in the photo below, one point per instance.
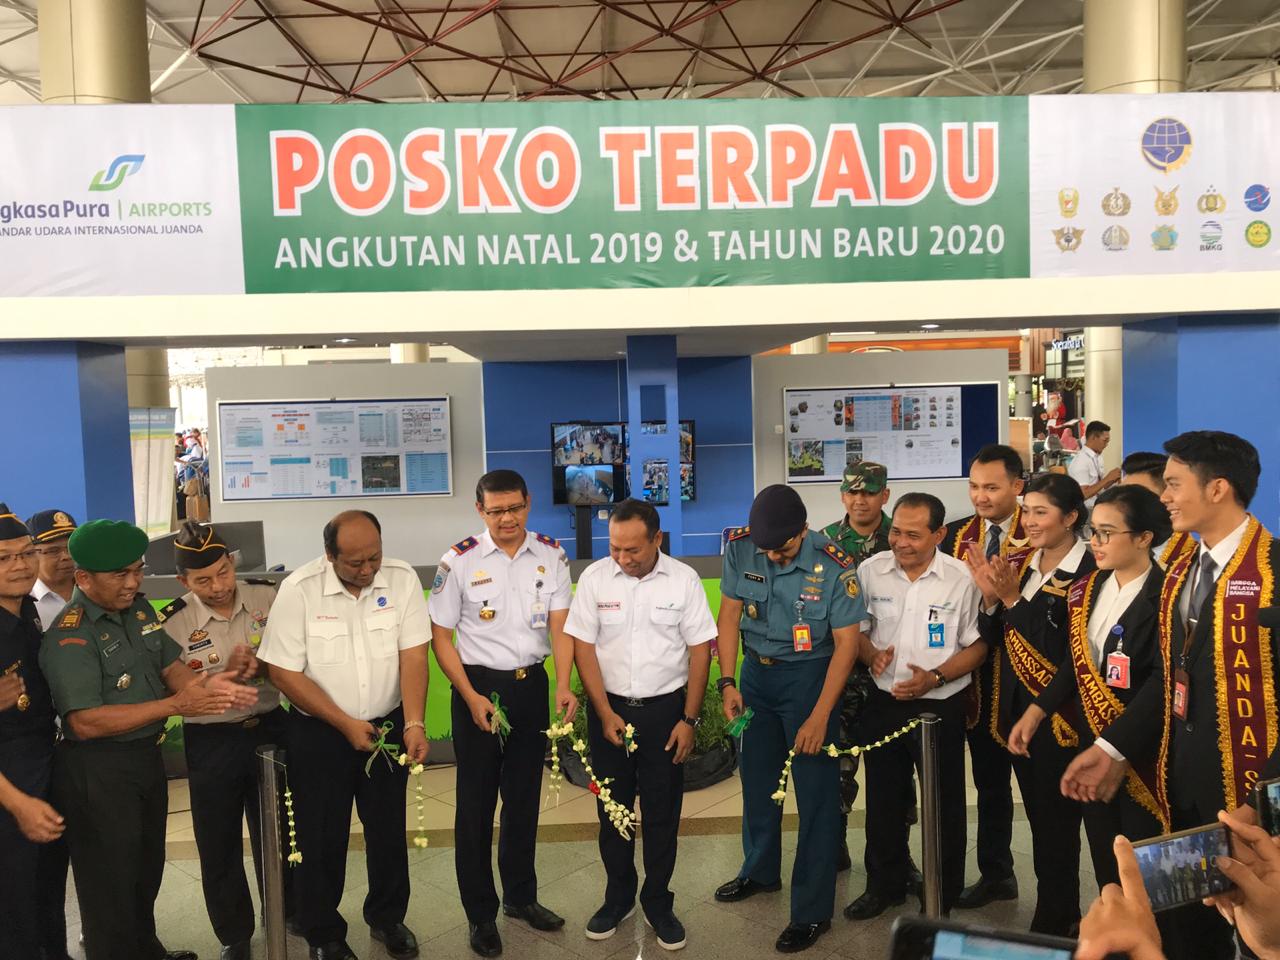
[
  {"x": 1218, "y": 372},
  {"x": 65, "y": 430},
  {"x": 523, "y": 399}
]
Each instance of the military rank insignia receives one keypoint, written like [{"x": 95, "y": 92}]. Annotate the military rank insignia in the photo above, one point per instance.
[
  {"x": 739, "y": 533},
  {"x": 71, "y": 619},
  {"x": 838, "y": 555}
]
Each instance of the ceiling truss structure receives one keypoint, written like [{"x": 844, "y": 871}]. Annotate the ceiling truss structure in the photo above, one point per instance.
[{"x": 466, "y": 50}]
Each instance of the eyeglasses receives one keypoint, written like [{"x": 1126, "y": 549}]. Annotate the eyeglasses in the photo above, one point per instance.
[
  {"x": 497, "y": 513},
  {"x": 61, "y": 551},
  {"x": 24, "y": 556},
  {"x": 1103, "y": 536}
]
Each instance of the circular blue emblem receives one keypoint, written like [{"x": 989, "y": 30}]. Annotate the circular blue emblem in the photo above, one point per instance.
[
  {"x": 1257, "y": 198},
  {"x": 1166, "y": 144},
  {"x": 382, "y": 601}
]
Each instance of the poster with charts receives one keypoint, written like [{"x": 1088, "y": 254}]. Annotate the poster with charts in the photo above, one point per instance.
[
  {"x": 915, "y": 432},
  {"x": 288, "y": 450}
]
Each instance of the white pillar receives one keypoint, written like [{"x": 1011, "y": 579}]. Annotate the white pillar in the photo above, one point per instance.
[
  {"x": 816, "y": 344},
  {"x": 1022, "y": 395},
  {"x": 410, "y": 353},
  {"x": 1130, "y": 46}
]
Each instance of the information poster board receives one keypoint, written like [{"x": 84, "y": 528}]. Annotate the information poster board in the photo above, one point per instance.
[
  {"x": 283, "y": 450},
  {"x": 914, "y": 431}
]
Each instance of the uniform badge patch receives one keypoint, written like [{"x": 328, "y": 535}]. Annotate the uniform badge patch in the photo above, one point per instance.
[
  {"x": 71, "y": 619},
  {"x": 195, "y": 665},
  {"x": 72, "y": 642}
]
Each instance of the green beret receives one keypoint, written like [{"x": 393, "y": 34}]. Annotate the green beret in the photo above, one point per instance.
[{"x": 100, "y": 546}]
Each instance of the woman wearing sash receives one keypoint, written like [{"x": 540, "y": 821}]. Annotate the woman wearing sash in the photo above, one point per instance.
[
  {"x": 1025, "y": 614},
  {"x": 1110, "y": 683}
]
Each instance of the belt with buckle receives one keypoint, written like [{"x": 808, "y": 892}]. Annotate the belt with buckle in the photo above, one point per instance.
[
  {"x": 763, "y": 661},
  {"x": 645, "y": 701},
  {"x": 250, "y": 722}
]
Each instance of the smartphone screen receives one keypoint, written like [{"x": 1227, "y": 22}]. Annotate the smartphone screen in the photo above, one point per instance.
[
  {"x": 916, "y": 938},
  {"x": 1267, "y": 803},
  {"x": 1180, "y": 869}
]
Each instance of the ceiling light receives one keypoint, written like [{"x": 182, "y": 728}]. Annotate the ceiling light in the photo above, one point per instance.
[
  {"x": 930, "y": 326},
  {"x": 344, "y": 340}
]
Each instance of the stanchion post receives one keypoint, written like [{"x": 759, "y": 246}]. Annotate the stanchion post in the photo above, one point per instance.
[
  {"x": 930, "y": 815},
  {"x": 270, "y": 765}
]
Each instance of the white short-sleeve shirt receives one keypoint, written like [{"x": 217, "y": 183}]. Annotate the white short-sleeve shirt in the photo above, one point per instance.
[
  {"x": 901, "y": 611},
  {"x": 1085, "y": 469},
  {"x": 48, "y": 603},
  {"x": 476, "y": 576},
  {"x": 350, "y": 646},
  {"x": 642, "y": 627}
]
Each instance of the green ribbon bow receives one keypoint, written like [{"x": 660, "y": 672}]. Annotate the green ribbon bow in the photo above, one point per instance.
[
  {"x": 388, "y": 751},
  {"x": 498, "y": 723}
]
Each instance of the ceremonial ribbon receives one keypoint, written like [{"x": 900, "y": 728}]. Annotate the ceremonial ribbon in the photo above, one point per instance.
[
  {"x": 831, "y": 750},
  {"x": 498, "y": 723},
  {"x": 388, "y": 751}
]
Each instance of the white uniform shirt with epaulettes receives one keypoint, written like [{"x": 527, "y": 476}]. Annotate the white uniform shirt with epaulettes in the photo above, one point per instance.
[
  {"x": 208, "y": 639},
  {"x": 499, "y": 604}
]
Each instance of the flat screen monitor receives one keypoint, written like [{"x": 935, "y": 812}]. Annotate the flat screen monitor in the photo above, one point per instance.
[
  {"x": 657, "y": 428},
  {"x": 657, "y": 482},
  {"x": 586, "y": 443},
  {"x": 588, "y": 484}
]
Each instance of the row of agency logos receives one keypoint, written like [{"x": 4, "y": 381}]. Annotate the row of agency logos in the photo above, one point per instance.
[
  {"x": 23, "y": 217},
  {"x": 1257, "y": 197},
  {"x": 1164, "y": 237}
]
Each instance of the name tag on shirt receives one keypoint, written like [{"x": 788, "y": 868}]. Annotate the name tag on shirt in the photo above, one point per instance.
[
  {"x": 538, "y": 616},
  {"x": 937, "y": 635},
  {"x": 1118, "y": 671}
]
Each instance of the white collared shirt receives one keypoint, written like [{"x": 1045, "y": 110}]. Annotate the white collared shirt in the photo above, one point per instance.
[
  {"x": 520, "y": 590},
  {"x": 901, "y": 611},
  {"x": 1112, "y": 601},
  {"x": 48, "y": 603},
  {"x": 1222, "y": 554},
  {"x": 1069, "y": 564},
  {"x": 350, "y": 646},
  {"x": 1085, "y": 469},
  {"x": 642, "y": 627},
  {"x": 1004, "y": 526},
  {"x": 208, "y": 639}
]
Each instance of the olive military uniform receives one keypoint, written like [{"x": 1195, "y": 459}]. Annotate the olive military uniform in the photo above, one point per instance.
[
  {"x": 33, "y": 876},
  {"x": 111, "y": 790},
  {"x": 781, "y": 684}
]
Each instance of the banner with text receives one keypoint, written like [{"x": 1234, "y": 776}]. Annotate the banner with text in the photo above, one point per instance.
[{"x": 150, "y": 200}]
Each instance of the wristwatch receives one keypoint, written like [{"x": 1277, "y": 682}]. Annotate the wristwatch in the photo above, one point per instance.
[
  {"x": 726, "y": 682},
  {"x": 694, "y": 722},
  {"x": 938, "y": 679}
]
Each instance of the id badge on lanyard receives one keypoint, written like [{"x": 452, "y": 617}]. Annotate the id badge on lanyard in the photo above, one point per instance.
[
  {"x": 1117, "y": 674},
  {"x": 801, "y": 632},
  {"x": 937, "y": 631}
]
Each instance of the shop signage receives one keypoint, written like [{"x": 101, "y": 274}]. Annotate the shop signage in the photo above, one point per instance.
[{"x": 1069, "y": 343}]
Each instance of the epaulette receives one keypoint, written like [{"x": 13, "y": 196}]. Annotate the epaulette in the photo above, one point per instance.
[
  {"x": 169, "y": 609},
  {"x": 70, "y": 619},
  {"x": 462, "y": 546},
  {"x": 549, "y": 541},
  {"x": 259, "y": 581},
  {"x": 739, "y": 533},
  {"x": 838, "y": 555}
]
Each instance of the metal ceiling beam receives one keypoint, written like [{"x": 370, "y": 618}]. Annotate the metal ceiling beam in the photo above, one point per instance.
[
  {"x": 174, "y": 36},
  {"x": 429, "y": 90}
]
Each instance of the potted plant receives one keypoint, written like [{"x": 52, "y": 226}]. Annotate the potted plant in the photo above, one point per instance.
[{"x": 714, "y": 755}]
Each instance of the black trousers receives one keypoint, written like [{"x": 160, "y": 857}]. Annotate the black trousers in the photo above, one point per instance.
[
  {"x": 1102, "y": 821},
  {"x": 33, "y": 876},
  {"x": 327, "y": 774},
  {"x": 115, "y": 800},
  {"x": 487, "y": 768},
  {"x": 1055, "y": 832},
  {"x": 222, "y": 770},
  {"x": 890, "y": 794},
  {"x": 992, "y": 775},
  {"x": 660, "y": 784}
]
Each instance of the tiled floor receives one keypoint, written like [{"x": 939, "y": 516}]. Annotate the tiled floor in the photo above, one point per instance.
[{"x": 571, "y": 880}]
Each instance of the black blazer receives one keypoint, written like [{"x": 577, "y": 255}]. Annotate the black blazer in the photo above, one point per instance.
[
  {"x": 1042, "y": 621},
  {"x": 1143, "y": 715},
  {"x": 1195, "y": 765}
]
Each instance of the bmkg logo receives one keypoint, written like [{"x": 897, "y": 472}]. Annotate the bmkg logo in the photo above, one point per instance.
[
  {"x": 1210, "y": 236},
  {"x": 125, "y": 165}
]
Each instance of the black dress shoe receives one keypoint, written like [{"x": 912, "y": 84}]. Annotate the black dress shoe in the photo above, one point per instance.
[
  {"x": 485, "y": 940},
  {"x": 333, "y": 950},
  {"x": 739, "y": 888},
  {"x": 871, "y": 905},
  {"x": 535, "y": 915},
  {"x": 235, "y": 951},
  {"x": 915, "y": 879},
  {"x": 800, "y": 936},
  {"x": 180, "y": 955},
  {"x": 399, "y": 940},
  {"x": 985, "y": 891}
]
